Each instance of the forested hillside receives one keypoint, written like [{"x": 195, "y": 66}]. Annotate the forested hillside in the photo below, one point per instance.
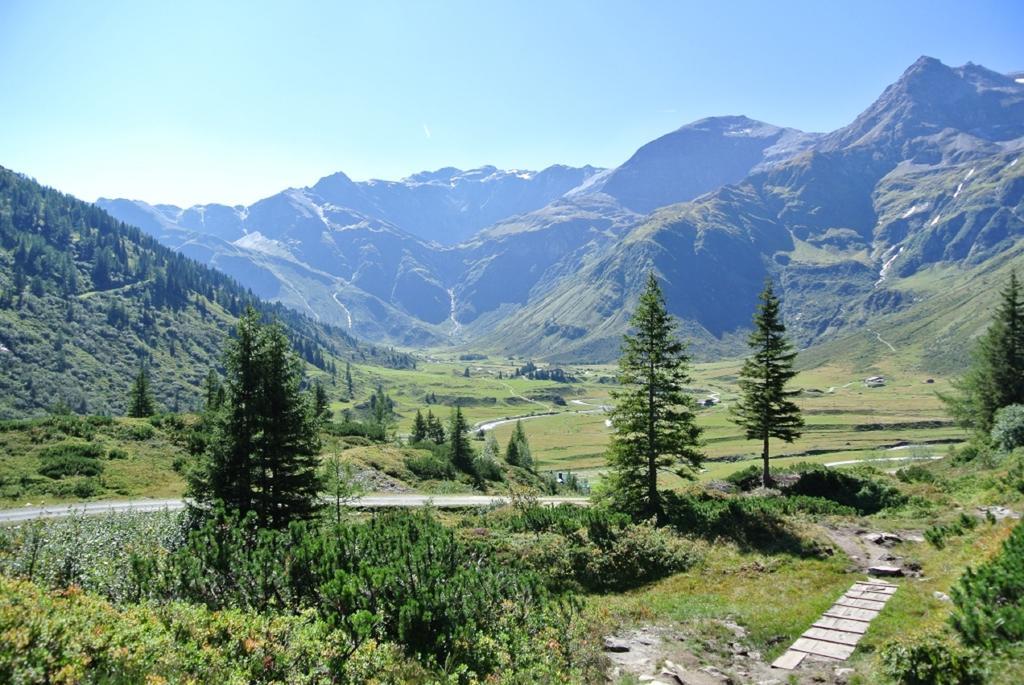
[{"x": 86, "y": 300}]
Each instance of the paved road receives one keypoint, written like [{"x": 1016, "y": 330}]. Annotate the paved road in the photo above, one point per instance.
[{"x": 369, "y": 501}]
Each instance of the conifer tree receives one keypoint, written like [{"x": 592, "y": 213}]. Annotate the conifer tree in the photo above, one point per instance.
[
  {"x": 419, "y": 428},
  {"x": 459, "y": 450},
  {"x": 348, "y": 380},
  {"x": 435, "y": 431},
  {"x": 764, "y": 409},
  {"x": 141, "y": 402},
  {"x": 996, "y": 376},
  {"x": 321, "y": 403},
  {"x": 518, "y": 451},
  {"x": 263, "y": 454},
  {"x": 213, "y": 391},
  {"x": 653, "y": 419}
]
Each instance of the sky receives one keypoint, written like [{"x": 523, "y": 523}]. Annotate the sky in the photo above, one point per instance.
[{"x": 192, "y": 102}]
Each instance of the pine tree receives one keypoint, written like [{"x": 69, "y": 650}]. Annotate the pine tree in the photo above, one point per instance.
[
  {"x": 459, "y": 450},
  {"x": 382, "y": 411},
  {"x": 518, "y": 451},
  {"x": 653, "y": 419},
  {"x": 996, "y": 376},
  {"x": 348, "y": 380},
  {"x": 321, "y": 403},
  {"x": 262, "y": 457},
  {"x": 141, "y": 399},
  {"x": 419, "y": 428},
  {"x": 435, "y": 431},
  {"x": 764, "y": 409},
  {"x": 213, "y": 391}
]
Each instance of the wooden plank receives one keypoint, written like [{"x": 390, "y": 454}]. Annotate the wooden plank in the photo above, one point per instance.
[
  {"x": 844, "y": 624},
  {"x": 789, "y": 660},
  {"x": 860, "y": 603},
  {"x": 821, "y": 648},
  {"x": 850, "y": 612},
  {"x": 829, "y": 635},
  {"x": 873, "y": 596},
  {"x": 880, "y": 589}
]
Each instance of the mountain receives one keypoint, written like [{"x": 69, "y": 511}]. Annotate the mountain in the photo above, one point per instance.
[
  {"x": 85, "y": 299},
  {"x": 849, "y": 224},
  {"x": 698, "y": 158},
  {"x": 445, "y": 206},
  {"x": 924, "y": 180},
  {"x": 353, "y": 254}
]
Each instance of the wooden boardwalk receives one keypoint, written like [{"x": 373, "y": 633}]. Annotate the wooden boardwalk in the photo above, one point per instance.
[{"x": 837, "y": 632}]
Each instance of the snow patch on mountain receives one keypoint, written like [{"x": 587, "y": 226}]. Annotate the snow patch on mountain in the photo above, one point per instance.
[{"x": 883, "y": 273}]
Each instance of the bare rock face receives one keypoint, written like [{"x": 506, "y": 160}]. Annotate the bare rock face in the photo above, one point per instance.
[{"x": 891, "y": 571}]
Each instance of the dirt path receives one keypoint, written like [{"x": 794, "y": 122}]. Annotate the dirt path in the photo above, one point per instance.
[{"x": 867, "y": 548}]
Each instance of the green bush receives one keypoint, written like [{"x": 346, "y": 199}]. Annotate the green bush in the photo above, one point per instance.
[
  {"x": 138, "y": 432},
  {"x": 746, "y": 479},
  {"x": 71, "y": 459},
  {"x": 933, "y": 662},
  {"x": 431, "y": 466},
  {"x": 117, "y": 453},
  {"x": 487, "y": 469},
  {"x": 1008, "y": 429},
  {"x": 860, "y": 491},
  {"x": 989, "y": 600},
  {"x": 632, "y": 556},
  {"x": 84, "y": 450},
  {"x": 371, "y": 431},
  {"x": 938, "y": 533},
  {"x": 753, "y": 523},
  {"x": 915, "y": 474},
  {"x": 401, "y": 575},
  {"x": 71, "y": 637}
]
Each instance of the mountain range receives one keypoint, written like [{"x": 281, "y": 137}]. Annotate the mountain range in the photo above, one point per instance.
[{"x": 860, "y": 227}]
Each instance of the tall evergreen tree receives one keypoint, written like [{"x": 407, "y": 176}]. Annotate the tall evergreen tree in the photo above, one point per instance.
[
  {"x": 140, "y": 402},
  {"x": 653, "y": 419},
  {"x": 321, "y": 403},
  {"x": 348, "y": 380},
  {"x": 263, "y": 454},
  {"x": 213, "y": 391},
  {"x": 996, "y": 376},
  {"x": 419, "y": 428},
  {"x": 435, "y": 431},
  {"x": 518, "y": 451},
  {"x": 764, "y": 409},
  {"x": 459, "y": 449}
]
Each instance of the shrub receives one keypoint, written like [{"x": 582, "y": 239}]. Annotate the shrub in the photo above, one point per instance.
[
  {"x": 989, "y": 600},
  {"x": 632, "y": 556},
  {"x": 69, "y": 636},
  {"x": 431, "y": 466},
  {"x": 915, "y": 474},
  {"x": 487, "y": 469},
  {"x": 84, "y": 450},
  {"x": 757, "y": 523},
  {"x": 1008, "y": 429},
  {"x": 371, "y": 431},
  {"x": 117, "y": 453},
  {"x": 137, "y": 431},
  {"x": 746, "y": 479},
  {"x": 857, "y": 490},
  {"x": 71, "y": 459},
  {"x": 401, "y": 575},
  {"x": 932, "y": 662}
]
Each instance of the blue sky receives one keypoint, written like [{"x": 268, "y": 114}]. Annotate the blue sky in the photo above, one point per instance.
[{"x": 189, "y": 102}]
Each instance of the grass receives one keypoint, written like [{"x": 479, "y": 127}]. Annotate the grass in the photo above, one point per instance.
[
  {"x": 774, "y": 597},
  {"x": 139, "y": 461}
]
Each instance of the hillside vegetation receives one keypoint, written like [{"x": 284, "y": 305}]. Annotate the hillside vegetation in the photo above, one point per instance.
[{"x": 86, "y": 300}]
